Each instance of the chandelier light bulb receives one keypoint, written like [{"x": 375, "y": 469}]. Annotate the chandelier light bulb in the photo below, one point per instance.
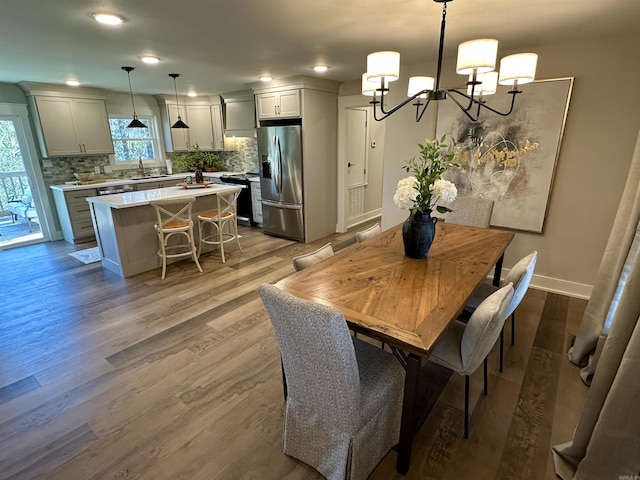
[
  {"x": 418, "y": 84},
  {"x": 520, "y": 68},
  {"x": 383, "y": 65},
  {"x": 479, "y": 55}
]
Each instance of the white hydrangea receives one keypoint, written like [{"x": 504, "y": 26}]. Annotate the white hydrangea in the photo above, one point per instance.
[
  {"x": 445, "y": 189},
  {"x": 406, "y": 193}
]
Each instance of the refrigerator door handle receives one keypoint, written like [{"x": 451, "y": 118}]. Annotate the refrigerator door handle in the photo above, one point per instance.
[
  {"x": 279, "y": 178},
  {"x": 284, "y": 206}
]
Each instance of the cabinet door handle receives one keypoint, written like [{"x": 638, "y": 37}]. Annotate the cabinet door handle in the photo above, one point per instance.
[
  {"x": 84, "y": 148},
  {"x": 80, "y": 147}
]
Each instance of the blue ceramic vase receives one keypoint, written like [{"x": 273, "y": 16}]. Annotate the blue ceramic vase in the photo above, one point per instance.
[{"x": 418, "y": 232}]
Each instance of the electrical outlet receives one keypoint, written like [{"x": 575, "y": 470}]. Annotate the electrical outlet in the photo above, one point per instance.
[
  {"x": 46, "y": 163},
  {"x": 96, "y": 169},
  {"x": 107, "y": 169},
  {"x": 373, "y": 144}
]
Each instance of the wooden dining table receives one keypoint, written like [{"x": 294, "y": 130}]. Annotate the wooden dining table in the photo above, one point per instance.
[{"x": 404, "y": 302}]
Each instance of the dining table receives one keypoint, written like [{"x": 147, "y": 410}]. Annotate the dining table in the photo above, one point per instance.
[{"x": 404, "y": 302}]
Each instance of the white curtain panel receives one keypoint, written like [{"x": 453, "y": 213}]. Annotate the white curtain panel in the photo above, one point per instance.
[{"x": 606, "y": 442}]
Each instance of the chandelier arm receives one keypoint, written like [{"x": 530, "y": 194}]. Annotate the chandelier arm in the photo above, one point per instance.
[
  {"x": 424, "y": 109},
  {"x": 386, "y": 113},
  {"x": 481, "y": 104},
  {"x": 462, "y": 107}
]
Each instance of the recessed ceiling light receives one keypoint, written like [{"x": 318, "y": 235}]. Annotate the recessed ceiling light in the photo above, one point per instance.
[
  {"x": 321, "y": 68},
  {"x": 150, "y": 59},
  {"x": 73, "y": 83},
  {"x": 107, "y": 18},
  {"x": 192, "y": 94},
  {"x": 265, "y": 78}
]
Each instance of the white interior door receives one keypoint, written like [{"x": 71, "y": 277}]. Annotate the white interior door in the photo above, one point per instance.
[{"x": 356, "y": 146}]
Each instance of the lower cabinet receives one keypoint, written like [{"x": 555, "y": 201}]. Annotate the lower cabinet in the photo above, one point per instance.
[
  {"x": 74, "y": 214},
  {"x": 152, "y": 185},
  {"x": 256, "y": 199}
]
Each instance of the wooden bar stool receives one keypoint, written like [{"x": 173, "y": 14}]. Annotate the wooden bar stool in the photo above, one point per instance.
[
  {"x": 224, "y": 215},
  {"x": 174, "y": 219}
]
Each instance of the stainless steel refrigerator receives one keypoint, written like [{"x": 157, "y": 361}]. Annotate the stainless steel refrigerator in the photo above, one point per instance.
[{"x": 280, "y": 155}]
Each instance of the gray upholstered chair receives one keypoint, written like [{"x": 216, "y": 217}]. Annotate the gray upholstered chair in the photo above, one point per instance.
[
  {"x": 372, "y": 231},
  {"x": 475, "y": 212},
  {"x": 464, "y": 347},
  {"x": 520, "y": 275},
  {"x": 303, "y": 261},
  {"x": 344, "y": 398}
]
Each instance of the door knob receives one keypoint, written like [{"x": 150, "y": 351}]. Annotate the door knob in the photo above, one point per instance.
[{"x": 349, "y": 164}]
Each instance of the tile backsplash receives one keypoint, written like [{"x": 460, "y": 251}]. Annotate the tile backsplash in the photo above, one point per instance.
[{"x": 243, "y": 157}]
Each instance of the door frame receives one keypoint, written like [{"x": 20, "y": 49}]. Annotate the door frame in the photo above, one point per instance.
[{"x": 20, "y": 115}]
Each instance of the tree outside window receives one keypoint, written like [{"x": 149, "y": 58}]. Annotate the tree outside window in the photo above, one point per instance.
[{"x": 131, "y": 144}]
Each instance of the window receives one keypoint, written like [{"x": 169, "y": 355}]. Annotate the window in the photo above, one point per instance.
[{"x": 131, "y": 144}]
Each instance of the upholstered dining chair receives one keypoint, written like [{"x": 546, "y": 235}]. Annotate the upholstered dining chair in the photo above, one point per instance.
[
  {"x": 368, "y": 233},
  {"x": 464, "y": 347},
  {"x": 475, "y": 212},
  {"x": 223, "y": 221},
  {"x": 345, "y": 396},
  {"x": 303, "y": 261},
  {"x": 174, "y": 220},
  {"x": 520, "y": 275}
]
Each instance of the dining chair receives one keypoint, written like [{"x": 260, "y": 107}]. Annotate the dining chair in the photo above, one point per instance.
[
  {"x": 463, "y": 347},
  {"x": 368, "y": 233},
  {"x": 173, "y": 220},
  {"x": 471, "y": 211},
  {"x": 225, "y": 216},
  {"x": 308, "y": 259},
  {"x": 344, "y": 404},
  {"x": 520, "y": 276}
]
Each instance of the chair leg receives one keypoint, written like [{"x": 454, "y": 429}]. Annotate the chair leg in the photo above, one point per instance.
[
  {"x": 501, "y": 347},
  {"x": 466, "y": 406},
  {"x": 194, "y": 251},
  {"x": 486, "y": 384},
  {"x": 221, "y": 236},
  {"x": 235, "y": 227},
  {"x": 513, "y": 328}
]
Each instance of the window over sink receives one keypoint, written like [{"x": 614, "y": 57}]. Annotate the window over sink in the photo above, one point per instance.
[{"x": 131, "y": 144}]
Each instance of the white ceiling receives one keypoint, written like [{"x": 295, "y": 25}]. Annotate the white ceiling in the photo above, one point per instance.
[{"x": 224, "y": 45}]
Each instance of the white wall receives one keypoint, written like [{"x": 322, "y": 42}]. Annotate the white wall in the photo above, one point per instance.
[{"x": 599, "y": 137}]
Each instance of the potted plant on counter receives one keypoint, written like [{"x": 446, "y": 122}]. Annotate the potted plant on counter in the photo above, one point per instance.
[{"x": 190, "y": 161}]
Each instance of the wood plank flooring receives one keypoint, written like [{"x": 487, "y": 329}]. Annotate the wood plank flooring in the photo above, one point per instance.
[{"x": 139, "y": 378}]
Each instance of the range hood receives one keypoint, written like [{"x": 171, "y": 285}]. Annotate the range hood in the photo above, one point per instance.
[{"x": 240, "y": 116}]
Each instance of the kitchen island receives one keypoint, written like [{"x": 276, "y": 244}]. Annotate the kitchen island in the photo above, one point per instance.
[{"x": 124, "y": 224}]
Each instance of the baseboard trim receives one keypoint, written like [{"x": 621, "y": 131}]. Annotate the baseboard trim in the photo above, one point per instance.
[
  {"x": 556, "y": 285},
  {"x": 365, "y": 217}
]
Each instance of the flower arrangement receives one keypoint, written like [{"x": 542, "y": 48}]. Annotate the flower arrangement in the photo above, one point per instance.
[{"x": 421, "y": 192}]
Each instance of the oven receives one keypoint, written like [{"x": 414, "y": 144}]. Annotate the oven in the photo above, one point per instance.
[{"x": 245, "y": 207}]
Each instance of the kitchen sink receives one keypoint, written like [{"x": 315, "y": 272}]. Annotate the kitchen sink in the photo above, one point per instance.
[{"x": 148, "y": 177}]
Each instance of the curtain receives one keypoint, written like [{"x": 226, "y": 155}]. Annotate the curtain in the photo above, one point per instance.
[{"x": 606, "y": 442}]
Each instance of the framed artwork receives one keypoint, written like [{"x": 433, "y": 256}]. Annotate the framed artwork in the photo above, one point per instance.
[{"x": 510, "y": 160}]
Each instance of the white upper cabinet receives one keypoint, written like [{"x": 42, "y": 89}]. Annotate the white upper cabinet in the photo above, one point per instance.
[
  {"x": 73, "y": 126},
  {"x": 205, "y": 127},
  {"x": 284, "y": 104}
]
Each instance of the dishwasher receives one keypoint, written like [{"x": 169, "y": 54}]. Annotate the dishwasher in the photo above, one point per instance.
[{"x": 245, "y": 206}]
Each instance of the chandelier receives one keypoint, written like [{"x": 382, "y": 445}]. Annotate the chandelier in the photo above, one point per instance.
[{"x": 476, "y": 59}]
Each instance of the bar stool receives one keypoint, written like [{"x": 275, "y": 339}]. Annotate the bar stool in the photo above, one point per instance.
[
  {"x": 224, "y": 215},
  {"x": 174, "y": 219}
]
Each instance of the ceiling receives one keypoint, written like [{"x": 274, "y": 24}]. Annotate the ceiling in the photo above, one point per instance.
[{"x": 220, "y": 46}]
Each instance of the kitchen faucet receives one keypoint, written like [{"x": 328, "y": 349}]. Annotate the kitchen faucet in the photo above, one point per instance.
[{"x": 141, "y": 167}]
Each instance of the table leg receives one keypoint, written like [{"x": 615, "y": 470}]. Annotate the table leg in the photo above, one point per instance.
[
  {"x": 497, "y": 273},
  {"x": 407, "y": 425}
]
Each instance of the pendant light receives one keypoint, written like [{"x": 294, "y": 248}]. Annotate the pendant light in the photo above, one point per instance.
[
  {"x": 135, "y": 123},
  {"x": 179, "y": 123}
]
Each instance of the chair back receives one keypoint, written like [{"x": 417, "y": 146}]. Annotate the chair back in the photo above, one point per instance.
[
  {"x": 520, "y": 275},
  {"x": 471, "y": 211},
  {"x": 308, "y": 259},
  {"x": 317, "y": 353},
  {"x": 483, "y": 328},
  {"x": 172, "y": 214},
  {"x": 227, "y": 204},
  {"x": 368, "y": 233}
]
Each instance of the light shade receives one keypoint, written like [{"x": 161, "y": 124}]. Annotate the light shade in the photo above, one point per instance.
[
  {"x": 417, "y": 84},
  {"x": 488, "y": 86},
  {"x": 520, "y": 68},
  {"x": 383, "y": 65},
  {"x": 179, "y": 123},
  {"x": 369, "y": 87},
  {"x": 479, "y": 55}
]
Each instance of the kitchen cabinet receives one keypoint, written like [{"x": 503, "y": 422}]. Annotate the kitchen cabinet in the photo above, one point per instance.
[
  {"x": 74, "y": 214},
  {"x": 256, "y": 200},
  {"x": 239, "y": 114},
  {"x": 73, "y": 126},
  {"x": 205, "y": 126},
  {"x": 283, "y": 104},
  {"x": 157, "y": 184}
]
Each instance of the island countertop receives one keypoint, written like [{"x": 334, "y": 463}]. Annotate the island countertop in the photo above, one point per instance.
[{"x": 144, "y": 197}]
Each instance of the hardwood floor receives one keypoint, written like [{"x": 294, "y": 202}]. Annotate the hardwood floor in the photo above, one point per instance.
[{"x": 111, "y": 378}]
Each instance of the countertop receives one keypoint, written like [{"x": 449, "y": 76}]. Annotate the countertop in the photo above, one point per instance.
[
  {"x": 144, "y": 197},
  {"x": 128, "y": 181}
]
